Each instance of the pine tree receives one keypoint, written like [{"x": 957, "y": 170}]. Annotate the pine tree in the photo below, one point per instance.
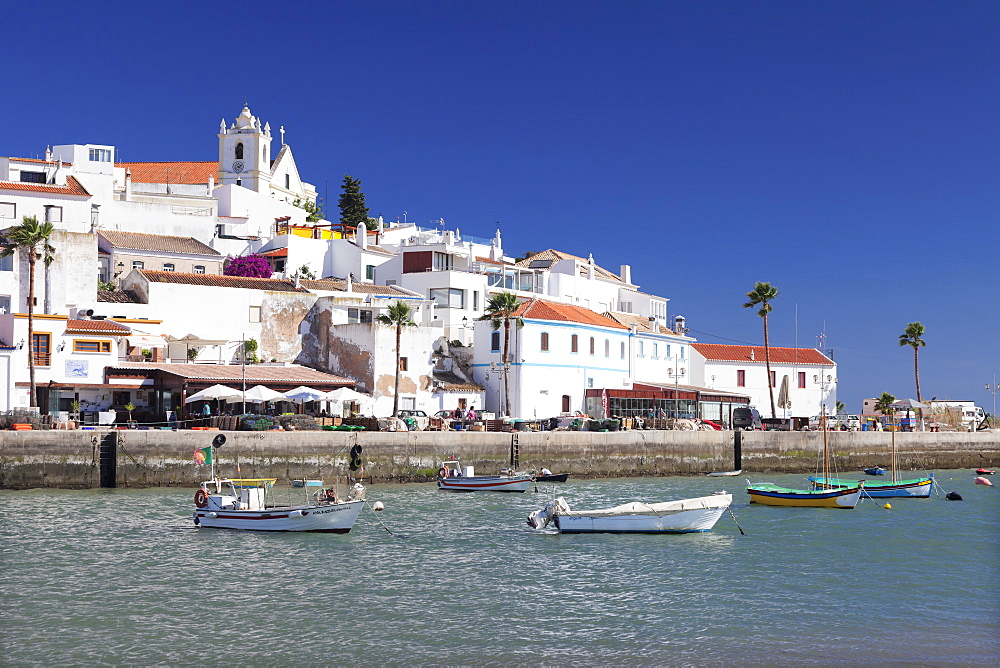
[{"x": 353, "y": 211}]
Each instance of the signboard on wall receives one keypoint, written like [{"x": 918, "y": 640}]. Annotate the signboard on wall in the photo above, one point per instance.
[{"x": 77, "y": 368}]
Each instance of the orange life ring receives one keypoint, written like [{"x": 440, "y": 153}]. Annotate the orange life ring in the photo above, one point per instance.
[
  {"x": 201, "y": 498},
  {"x": 443, "y": 472}
]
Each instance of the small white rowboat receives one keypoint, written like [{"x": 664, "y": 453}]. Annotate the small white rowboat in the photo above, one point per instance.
[{"x": 681, "y": 516}]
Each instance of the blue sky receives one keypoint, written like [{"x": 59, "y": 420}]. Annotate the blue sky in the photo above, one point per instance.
[{"x": 846, "y": 152}]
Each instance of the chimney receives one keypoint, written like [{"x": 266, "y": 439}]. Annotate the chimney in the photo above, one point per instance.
[
  {"x": 361, "y": 237},
  {"x": 128, "y": 184},
  {"x": 626, "y": 274},
  {"x": 590, "y": 265},
  {"x": 679, "y": 325},
  {"x": 654, "y": 325},
  {"x": 211, "y": 184},
  {"x": 751, "y": 354},
  {"x": 348, "y": 284}
]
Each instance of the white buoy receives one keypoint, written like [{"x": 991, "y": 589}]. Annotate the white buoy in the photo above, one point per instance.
[{"x": 378, "y": 505}]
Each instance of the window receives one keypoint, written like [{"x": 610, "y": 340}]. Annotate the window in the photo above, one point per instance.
[
  {"x": 591, "y": 345},
  {"x": 239, "y": 151},
  {"x": 774, "y": 375},
  {"x": 254, "y": 314},
  {"x": 741, "y": 378},
  {"x": 288, "y": 181},
  {"x": 443, "y": 262},
  {"x": 4, "y": 304},
  {"x": 137, "y": 264},
  {"x": 88, "y": 346},
  {"x": 199, "y": 269},
  {"x": 41, "y": 348},
  {"x": 100, "y": 155},
  {"x": 625, "y": 307},
  {"x": 640, "y": 348},
  {"x": 668, "y": 350},
  {"x": 802, "y": 379},
  {"x": 8, "y": 210},
  {"x": 7, "y": 263},
  {"x": 475, "y": 300},
  {"x": 122, "y": 398},
  {"x": 265, "y": 155},
  {"x": 370, "y": 272},
  {"x": 403, "y": 364},
  {"x": 32, "y": 177},
  {"x": 545, "y": 342},
  {"x": 682, "y": 352},
  {"x": 656, "y": 350},
  {"x": 168, "y": 266},
  {"x": 357, "y": 315},
  {"x": 607, "y": 348},
  {"x": 565, "y": 403},
  {"x": 623, "y": 350},
  {"x": 53, "y": 214},
  {"x": 408, "y": 403},
  {"x": 239, "y": 182},
  {"x": 95, "y": 214},
  {"x": 495, "y": 342},
  {"x": 574, "y": 344},
  {"x": 448, "y": 297}
]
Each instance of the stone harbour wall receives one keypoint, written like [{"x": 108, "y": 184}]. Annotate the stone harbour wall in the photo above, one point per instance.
[{"x": 137, "y": 458}]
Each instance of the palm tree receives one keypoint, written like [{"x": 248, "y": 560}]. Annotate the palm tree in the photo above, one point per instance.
[
  {"x": 399, "y": 315},
  {"x": 33, "y": 238},
  {"x": 911, "y": 337},
  {"x": 500, "y": 310},
  {"x": 761, "y": 295},
  {"x": 884, "y": 404}
]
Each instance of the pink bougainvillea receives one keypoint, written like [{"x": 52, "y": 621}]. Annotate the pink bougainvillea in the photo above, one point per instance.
[{"x": 254, "y": 266}]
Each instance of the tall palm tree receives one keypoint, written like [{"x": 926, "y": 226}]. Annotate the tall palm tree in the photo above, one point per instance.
[
  {"x": 33, "y": 238},
  {"x": 399, "y": 316},
  {"x": 884, "y": 404},
  {"x": 761, "y": 295},
  {"x": 500, "y": 310},
  {"x": 911, "y": 337}
]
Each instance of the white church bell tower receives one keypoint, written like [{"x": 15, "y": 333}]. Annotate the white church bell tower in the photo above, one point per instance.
[{"x": 245, "y": 153}]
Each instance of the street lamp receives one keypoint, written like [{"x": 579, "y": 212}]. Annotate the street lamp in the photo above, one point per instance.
[
  {"x": 994, "y": 388},
  {"x": 677, "y": 400}
]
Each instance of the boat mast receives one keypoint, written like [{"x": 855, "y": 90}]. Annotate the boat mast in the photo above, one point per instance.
[{"x": 826, "y": 451}]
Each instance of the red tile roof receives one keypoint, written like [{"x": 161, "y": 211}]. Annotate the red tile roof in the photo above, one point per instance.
[
  {"x": 233, "y": 373},
  {"x": 212, "y": 280},
  {"x": 727, "y": 353},
  {"x": 555, "y": 256},
  {"x": 96, "y": 327},
  {"x": 44, "y": 162},
  {"x": 172, "y": 172},
  {"x": 157, "y": 242},
  {"x": 539, "y": 309},
  {"x": 72, "y": 187}
]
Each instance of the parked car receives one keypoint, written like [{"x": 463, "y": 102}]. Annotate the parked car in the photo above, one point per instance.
[
  {"x": 747, "y": 419},
  {"x": 409, "y": 413},
  {"x": 831, "y": 422},
  {"x": 851, "y": 422}
]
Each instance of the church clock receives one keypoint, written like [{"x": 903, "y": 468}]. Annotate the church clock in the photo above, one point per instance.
[{"x": 238, "y": 166}]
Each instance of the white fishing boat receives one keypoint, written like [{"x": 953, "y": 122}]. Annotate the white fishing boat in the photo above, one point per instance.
[
  {"x": 453, "y": 477},
  {"x": 723, "y": 474},
  {"x": 681, "y": 516},
  {"x": 245, "y": 503}
]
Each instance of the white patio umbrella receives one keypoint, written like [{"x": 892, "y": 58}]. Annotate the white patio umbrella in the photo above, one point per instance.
[
  {"x": 215, "y": 392},
  {"x": 258, "y": 394},
  {"x": 784, "y": 400},
  {"x": 342, "y": 394},
  {"x": 303, "y": 394}
]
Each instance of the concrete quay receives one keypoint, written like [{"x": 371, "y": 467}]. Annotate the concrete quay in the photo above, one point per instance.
[{"x": 138, "y": 458}]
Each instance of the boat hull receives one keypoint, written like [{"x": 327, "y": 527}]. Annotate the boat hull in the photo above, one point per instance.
[
  {"x": 333, "y": 518},
  {"x": 845, "y": 497},
  {"x": 919, "y": 488},
  {"x": 680, "y": 516},
  {"x": 688, "y": 521},
  {"x": 554, "y": 477},
  {"x": 486, "y": 483}
]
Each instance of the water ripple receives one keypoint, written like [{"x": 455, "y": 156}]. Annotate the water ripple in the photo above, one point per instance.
[{"x": 121, "y": 576}]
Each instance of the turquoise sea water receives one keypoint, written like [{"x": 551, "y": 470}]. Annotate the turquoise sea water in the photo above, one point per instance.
[{"x": 123, "y": 577}]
